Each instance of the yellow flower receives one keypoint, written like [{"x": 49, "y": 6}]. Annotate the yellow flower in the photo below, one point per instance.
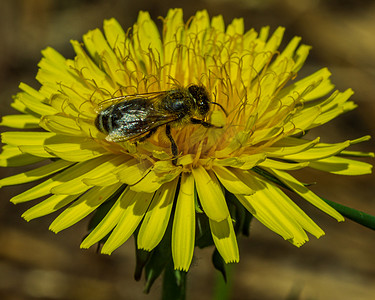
[{"x": 248, "y": 153}]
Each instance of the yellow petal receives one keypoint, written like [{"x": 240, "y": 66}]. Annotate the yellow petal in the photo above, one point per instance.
[
  {"x": 48, "y": 206},
  {"x": 103, "y": 180},
  {"x": 35, "y": 105},
  {"x": 288, "y": 146},
  {"x": 244, "y": 162},
  {"x": 302, "y": 120},
  {"x": 88, "y": 69},
  {"x": 341, "y": 166},
  {"x": 77, "y": 185},
  {"x": 334, "y": 106},
  {"x": 305, "y": 193},
  {"x": 36, "y": 174},
  {"x": 53, "y": 71},
  {"x": 20, "y": 121},
  {"x": 281, "y": 165},
  {"x": 156, "y": 219},
  {"x": 231, "y": 182},
  {"x": 210, "y": 194},
  {"x": 133, "y": 171},
  {"x": 199, "y": 23},
  {"x": 71, "y": 150},
  {"x": 275, "y": 210},
  {"x": 225, "y": 239},
  {"x": 173, "y": 37},
  {"x": 37, "y": 150},
  {"x": 267, "y": 211},
  {"x": 45, "y": 187},
  {"x": 11, "y": 156},
  {"x": 65, "y": 104},
  {"x": 114, "y": 33},
  {"x": 110, "y": 220},
  {"x": 183, "y": 230},
  {"x": 217, "y": 22},
  {"x": 296, "y": 216},
  {"x": 147, "y": 42},
  {"x": 131, "y": 217},
  {"x": 99, "y": 49},
  {"x": 32, "y": 92},
  {"x": 18, "y": 138},
  {"x": 264, "y": 32},
  {"x": 148, "y": 184},
  {"x": 86, "y": 204},
  {"x": 266, "y": 52},
  {"x": 122, "y": 46},
  {"x": 288, "y": 52},
  {"x": 311, "y": 87},
  {"x": 19, "y": 106},
  {"x": 319, "y": 151},
  {"x": 61, "y": 125},
  {"x": 236, "y": 27},
  {"x": 261, "y": 206}
]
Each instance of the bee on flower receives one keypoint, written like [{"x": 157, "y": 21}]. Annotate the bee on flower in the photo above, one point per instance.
[{"x": 177, "y": 136}]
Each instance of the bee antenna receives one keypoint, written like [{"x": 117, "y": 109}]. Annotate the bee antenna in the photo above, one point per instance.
[{"x": 222, "y": 108}]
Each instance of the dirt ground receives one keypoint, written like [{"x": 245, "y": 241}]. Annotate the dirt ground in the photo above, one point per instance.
[{"x": 37, "y": 264}]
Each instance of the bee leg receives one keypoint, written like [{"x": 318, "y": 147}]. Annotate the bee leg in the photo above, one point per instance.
[
  {"x": 203, "y": 123},
  {"x": 149, "y": 134},
  {"x": 173, "y": 144}
]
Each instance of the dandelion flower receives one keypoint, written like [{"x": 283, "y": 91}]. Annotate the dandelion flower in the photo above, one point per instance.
[{"x": 243, "y": 162}]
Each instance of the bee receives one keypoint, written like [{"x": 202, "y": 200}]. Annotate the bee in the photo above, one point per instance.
[{"x": 136, "y": 117}]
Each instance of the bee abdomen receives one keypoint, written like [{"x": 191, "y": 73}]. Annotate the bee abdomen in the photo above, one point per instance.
[
  {"x": 103, "y": 121},
  {"x": 123, "y": 120}
]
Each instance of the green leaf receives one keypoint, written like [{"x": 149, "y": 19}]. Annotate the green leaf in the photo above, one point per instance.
[
  {"x": 219, "y": 263},
  {"x": 174, "y": 284},
  {"x": 203, "y": 235},
  {"x": 246, "y": 224},
  {"x": 223, "y": 286},
  {"x": 241, "y": 216},
  {"x": 142, "y": 257},
  {"x": 160, "y": 258}
]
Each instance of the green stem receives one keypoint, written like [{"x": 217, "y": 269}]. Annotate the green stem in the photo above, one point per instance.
[
  {"x": 355, "y": 215},
  {"x": 174, "y": 284},
  {"x": 223, "y": 287}
]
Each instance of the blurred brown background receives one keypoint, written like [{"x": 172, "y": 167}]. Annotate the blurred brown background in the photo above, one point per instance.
[{"x": 37, "y": 264}]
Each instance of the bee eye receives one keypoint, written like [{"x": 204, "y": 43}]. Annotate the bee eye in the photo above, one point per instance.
[
  {"x": 201, "y": 99},
  {"x": 203, "y": 106}
]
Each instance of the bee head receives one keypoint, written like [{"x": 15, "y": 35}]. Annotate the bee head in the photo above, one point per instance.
[{"x": 202, "y": 99}]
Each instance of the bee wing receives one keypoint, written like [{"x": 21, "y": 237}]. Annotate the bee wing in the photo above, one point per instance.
[
  {"x": 150, "y": 96},
  {"x": 137, "y": 121}
]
